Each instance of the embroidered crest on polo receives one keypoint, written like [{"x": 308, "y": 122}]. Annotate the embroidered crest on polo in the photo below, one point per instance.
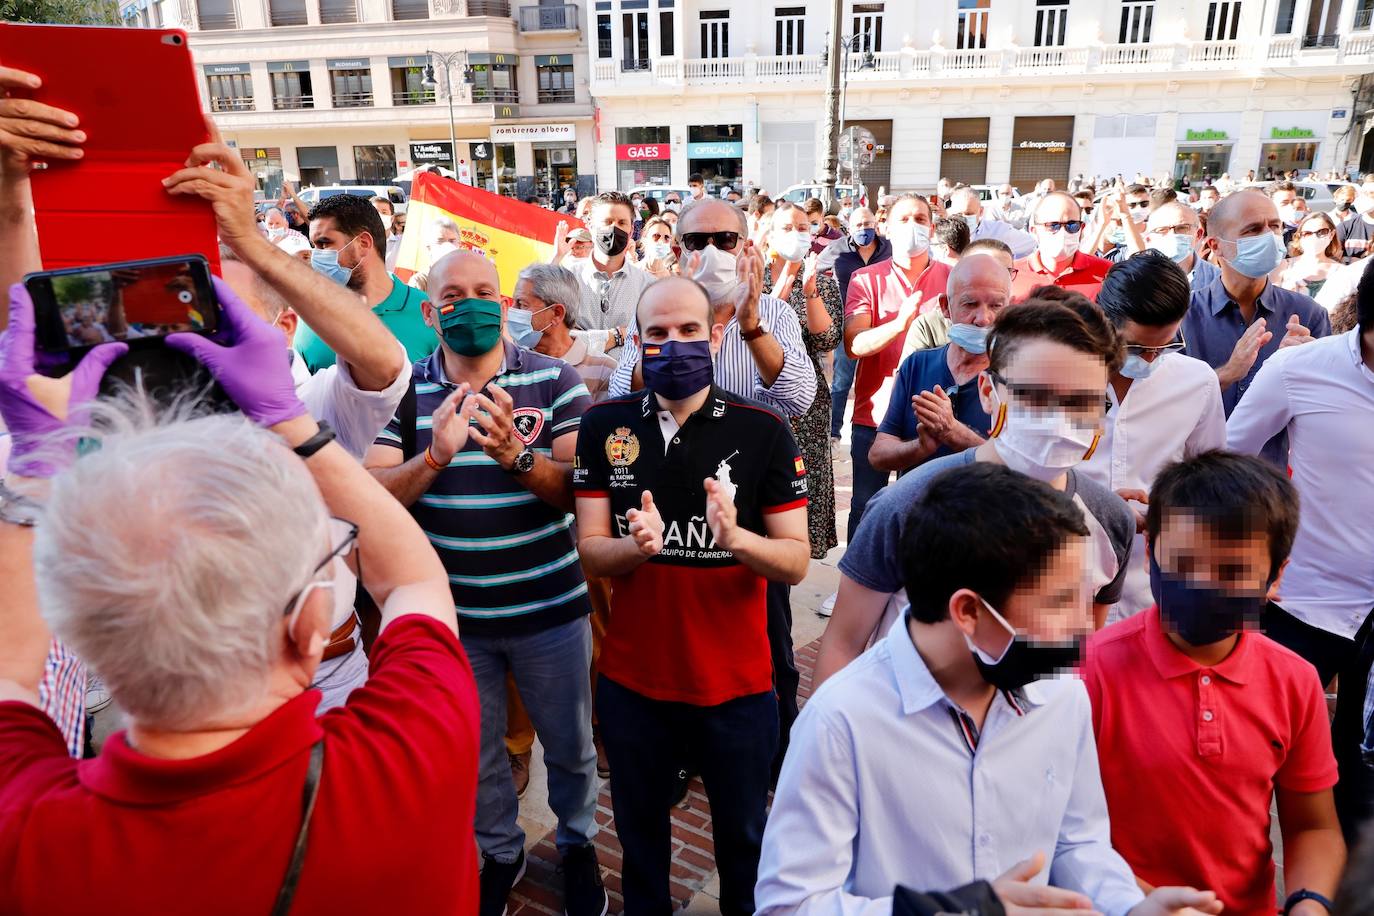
[
  {"x": 528, "y": 421},
  {"x": 622, "y": 447}
]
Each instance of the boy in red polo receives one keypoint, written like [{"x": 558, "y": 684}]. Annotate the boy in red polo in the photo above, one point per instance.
[{"x": 1200, "y": 719}]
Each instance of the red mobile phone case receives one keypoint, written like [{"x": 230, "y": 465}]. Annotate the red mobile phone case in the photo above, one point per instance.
[{"x": 135, "y": 93}]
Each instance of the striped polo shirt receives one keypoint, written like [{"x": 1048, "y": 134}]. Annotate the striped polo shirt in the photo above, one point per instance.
[{"x": 511, "y": 558}]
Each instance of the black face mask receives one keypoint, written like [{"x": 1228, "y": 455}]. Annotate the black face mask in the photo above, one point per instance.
[
  {"x": 1026, "y": 660},
  {"x": 1200, "y": 616},
  {"x": 611, "y": 240}
]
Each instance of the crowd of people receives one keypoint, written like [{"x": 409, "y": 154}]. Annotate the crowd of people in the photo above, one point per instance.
[{"x": 1111, "y": 618}]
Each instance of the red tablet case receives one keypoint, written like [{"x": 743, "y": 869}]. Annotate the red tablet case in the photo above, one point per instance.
[{"x": 136, "y": 95}]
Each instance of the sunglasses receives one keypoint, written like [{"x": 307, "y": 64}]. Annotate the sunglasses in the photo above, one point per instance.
[
  {"x": 1139, "y": 205},
  {"x": 1073, "y": 226},
  {"x": 696, "y": 241},
  {"x": 1177, "y": 346}
]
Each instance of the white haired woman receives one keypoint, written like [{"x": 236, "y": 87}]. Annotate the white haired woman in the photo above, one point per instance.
[{"x": 189, "y": 564}]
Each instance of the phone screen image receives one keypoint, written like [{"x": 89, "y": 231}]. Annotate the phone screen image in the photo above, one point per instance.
[{"x": 129, "y": 303}]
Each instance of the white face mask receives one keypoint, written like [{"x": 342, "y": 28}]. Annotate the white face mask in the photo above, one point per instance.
[
  {"x": 1056, "y": 245},
  {"x": 1043, "y": 444},
  {"x": 386, "y": 221},
  {"x": 791, "y": 246},
  {"x": 1314, "y": 244},
  {"x": 913, "y": 239},
  {"x": 718, "y": 272},
  {"x": 276, "y": 232}
]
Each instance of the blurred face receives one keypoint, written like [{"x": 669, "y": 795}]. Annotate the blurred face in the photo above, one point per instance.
[
  {"x": 1190, "y": 549},
  {"x": 1052, "y": 605},
  {"x": 1045, "y": 375}
]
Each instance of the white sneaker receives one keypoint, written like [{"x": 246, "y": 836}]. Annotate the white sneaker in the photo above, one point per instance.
[
  {"x": 97, "y": 697},
  {"x": 828, "y": 605}
]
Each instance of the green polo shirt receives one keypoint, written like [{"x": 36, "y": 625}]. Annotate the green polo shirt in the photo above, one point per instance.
[{"x": 403, "y": 316}]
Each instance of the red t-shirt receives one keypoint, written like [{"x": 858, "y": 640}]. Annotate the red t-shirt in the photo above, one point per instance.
[
  {"x": 128, "y": 833},
  {"x": 1084, "y": 275},
  {"x": 878, "y": 291},
  {"x": 1191, "y": 756}
]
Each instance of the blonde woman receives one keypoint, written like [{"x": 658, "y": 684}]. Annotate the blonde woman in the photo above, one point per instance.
[{"x": 1317, "y": 254}]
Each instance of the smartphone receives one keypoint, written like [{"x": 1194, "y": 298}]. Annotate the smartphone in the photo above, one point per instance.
[
  {"x": 136, "y": 302},
  {"x": 110, "y": 204}
]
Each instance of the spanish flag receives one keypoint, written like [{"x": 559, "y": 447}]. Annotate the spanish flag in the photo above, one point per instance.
[{"x": 512, "y": 234}]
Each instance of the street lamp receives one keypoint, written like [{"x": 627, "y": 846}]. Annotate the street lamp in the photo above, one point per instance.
[
  {"x": 835, "y": 59},
  {"x": 447, "y": 60}
]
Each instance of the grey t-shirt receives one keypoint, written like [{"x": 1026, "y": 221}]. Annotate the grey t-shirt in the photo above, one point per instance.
[{"x": 873, "y": 559}]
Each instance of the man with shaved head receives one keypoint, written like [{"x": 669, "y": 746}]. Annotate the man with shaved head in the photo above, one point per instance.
[
  {"x": 1242, "y": 319},
  {"x": 694, "y": 499},
  {"x": 965, "y": 204},
  {"x": 1057, "y": 224},
  {"x": 482, "y": 454},
  {"x": 935, "y": 409},
  {"x": 1174, "y": 230}
]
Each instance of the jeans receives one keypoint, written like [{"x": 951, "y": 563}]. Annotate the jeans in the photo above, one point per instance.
[
  {"x": 867, "y": 481},
  {"x": 646, "y": 742},
  {"x": 785, "y": 675},
  {"x": 550, "y": 669},
  {"x": 840, "y": 384}
]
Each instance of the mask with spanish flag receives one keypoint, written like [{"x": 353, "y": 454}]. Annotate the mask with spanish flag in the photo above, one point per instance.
[
  {"x": 470, "y": 327},
  {"x": 677, "y": 369}
]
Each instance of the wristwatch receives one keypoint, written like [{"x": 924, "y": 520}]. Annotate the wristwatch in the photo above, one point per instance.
[
  {"x": 524, "y": 462},
  {"x": 1300, "y": 895},
  {"x": 759, "y": 330}
]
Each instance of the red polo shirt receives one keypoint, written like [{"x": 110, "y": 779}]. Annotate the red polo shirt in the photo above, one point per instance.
[
  {"x": 128, "y": 833},
  {"x": 1083, "y": 275},
  {"x": 1191, "y": 756},
  {"x": 878, "y": 291}
]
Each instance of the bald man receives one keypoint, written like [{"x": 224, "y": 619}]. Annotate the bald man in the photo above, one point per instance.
[
  {"x": 1057, "y": 224},
  {"x": 935, "y": 409},
  {"x": 1241, "y": 319},
  {"x": 965, "y": 204},
  {"x": 1175, "y": 231},
  {"x": 489, "y": 478}
]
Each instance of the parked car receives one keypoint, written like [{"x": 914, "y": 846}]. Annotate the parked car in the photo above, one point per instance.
[
  {"x": 987, "y": 192},
  {"x": 1318, "y": 194},
  {"x": 798, "y": 193},
  {"x": 391, "y": 192},
  {"x": 660, "y": 192}
]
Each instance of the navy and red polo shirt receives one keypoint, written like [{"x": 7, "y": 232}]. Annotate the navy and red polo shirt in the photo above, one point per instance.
[{"x": 690, "y": 624}]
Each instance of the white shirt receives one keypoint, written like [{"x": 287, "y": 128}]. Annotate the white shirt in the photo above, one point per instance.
[
  {"x": 880, "y": 789},
  {"x": 1341, "y": 282},
  {"x": 1323, "y": 394},
  {"x": 1173, "y": 414},
  {"x": 356, "y": 415},
  {"x": 608, "y": 300},
  {"x": 1020, "y": 242}
]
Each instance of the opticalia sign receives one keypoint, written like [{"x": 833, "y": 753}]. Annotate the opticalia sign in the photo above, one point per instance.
[{"x": 635, "y": 152}]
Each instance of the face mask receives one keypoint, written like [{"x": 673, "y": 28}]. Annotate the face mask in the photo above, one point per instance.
[
  {"x": 1175, "y": 247},
  {"x": 276, "y": 232},
  {"x": 1313, "y": 244},
  {"x": 1024, "y": 660},
  {"x": 677, "y": 369},
  {"x": 386, "y": 221},
  {"x": 659, "y": 251},
  {"x": 911, "y": 239},
  {"x": 1289, "y": 215},
  {"x": 815, "y": 229},
  {"x": 1257, "y": 255},
  {"x": 718, "y": 272},
  {"x": 1200, "y": 616},
  {"x": 326, "y": 261},
  {"x": 1043, "y": 444},
  {"x": 470, "y": 327},
  {"x": 1057, "y": 245},
  {"x": 791, "y": 246},
  {"x": 969, "y": 337},
  {"x": 611, "y": 240},
  {"x": 520, "y": 324},
  {"x": 864, "y": 236},
  {"x": 972, "y": 220},
  {"x": 1117, "y": 236},
  {"x": 1346, "y": 207},
  {"x": 1137, "y": 367}
]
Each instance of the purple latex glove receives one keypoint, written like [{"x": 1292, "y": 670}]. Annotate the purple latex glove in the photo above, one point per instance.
[
  {"x": 249, "y": 360},
  {"x": 37, "y": 449}
]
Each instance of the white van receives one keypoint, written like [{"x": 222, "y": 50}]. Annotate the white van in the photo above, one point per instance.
[{"x": 392, "y": 193}]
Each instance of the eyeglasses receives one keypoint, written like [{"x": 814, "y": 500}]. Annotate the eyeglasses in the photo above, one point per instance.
[
  {"x": 1073, "y": 226},
  {"x": 1319, "y": 233},
  {"x": 1178, "y": 346},
  {"x": 1012, "y": 272},
  {"x": 696, "y": 241},
  {"x": 1042, "y": 397},
  {"x": 1180, "y": 229},
  {"x": 344, "y": 534}
]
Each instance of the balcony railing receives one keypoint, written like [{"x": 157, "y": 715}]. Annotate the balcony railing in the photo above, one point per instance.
[
  {"x": 498, "y": 96},
  {"x": 557, "y": 96},
  {"x": 217, "y": 21},
  {"x": 352, "y": 100},
  {"x": 1321, "y": 41},
  {"x": 489, "y": 8},
  {"x": 407, "y": 10},
  {"x": 412, "y": 97},
  {"x": 1364, "y": 16},
  {"x": 939, "y": 63},
  {"x": 333, "y": 12},
  {"x": 284, "y": 16},
  {"x": 293, "y": 102},
  {"x": 236, "y": 103},
  {"x": 549, "y": 18}
]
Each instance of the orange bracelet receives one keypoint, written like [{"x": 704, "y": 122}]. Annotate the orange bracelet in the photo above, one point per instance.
[{"x": 429, "y": 460}]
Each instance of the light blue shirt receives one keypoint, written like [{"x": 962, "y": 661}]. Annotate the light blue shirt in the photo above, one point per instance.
[
  {"x": 1203, "y": 274},
  {"x": 879, "y": 788}
]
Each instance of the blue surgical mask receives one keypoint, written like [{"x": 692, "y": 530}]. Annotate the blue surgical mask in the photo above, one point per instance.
[
  {"x": 1138, "y": 367},
  {"x": 972, "y": 220},
  {"x": 1172, "y": 246},
  {"x": 969, "y": 337},
  {"x": 864, "y": 236},
  {"x": 520, "y": 324},
  {"x": 326, "y": 261},
  {"x": 1257, "y": 255}
]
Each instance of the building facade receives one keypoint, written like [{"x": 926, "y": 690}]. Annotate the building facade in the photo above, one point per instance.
[
  {"x": 324, "y": 91},
  {"x": 983, "y": 91}
]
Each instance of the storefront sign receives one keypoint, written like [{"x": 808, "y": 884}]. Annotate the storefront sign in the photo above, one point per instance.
[
  {"x": 288, "y": 66},
  {"x": 499, "y": 59},
  {"x": 505, "y": 112},
  {"x": 517, "y": 133},
  {"x": 1292, "y": 133},
  {"x": 412, "y": 60},
  {"x": 974, "y": 147},
  {"x": 1205, "y": 136},
  {"x": 1045, "y": 146},
  {"x": 349, "y": 63},
  {"x": 715, "y": 150},
  {"x": 1340, "y": 114},
  {"x": 481, "y": 152},
  {"x": 440, "y": 151},
  {"x": 225, "y": 69},
  {"x": 638, "y": 152},
  {"x": 553, "y": 60}
]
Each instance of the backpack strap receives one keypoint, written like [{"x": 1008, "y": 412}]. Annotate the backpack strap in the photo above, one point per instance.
[
  {"x": 406, "y": 414},
  {"x": 310, "y": 795}
]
